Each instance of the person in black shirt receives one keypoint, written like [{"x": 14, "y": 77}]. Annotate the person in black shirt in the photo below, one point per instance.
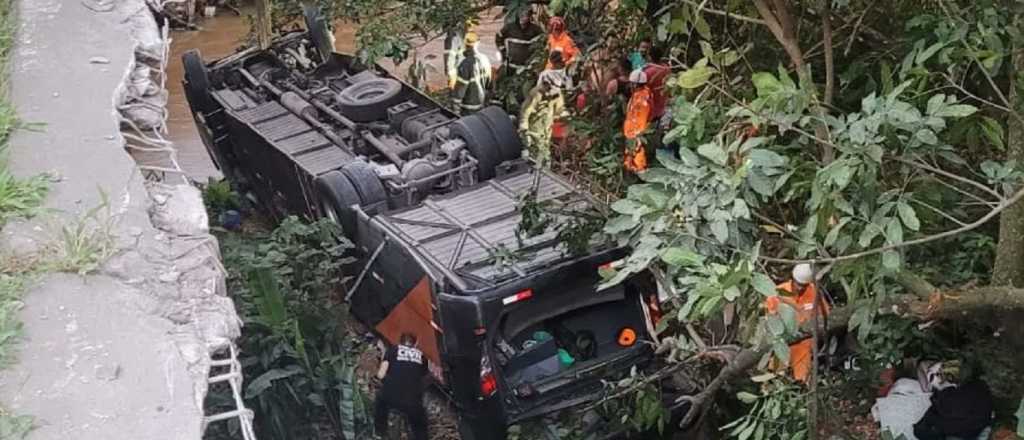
[{"x": 403, "y": 371}]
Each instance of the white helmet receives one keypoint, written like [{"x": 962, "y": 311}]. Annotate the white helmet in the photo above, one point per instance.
[
  {"x": 803, "y": 273},
  {"x": 638, "y": 77}
]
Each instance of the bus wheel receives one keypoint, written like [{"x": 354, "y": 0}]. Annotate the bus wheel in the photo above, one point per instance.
[
  {"x": 337, "y": 195},
  {"x": 504, "y": 131},
  {"x": 480, "y": 143},
  {"x": 367, "y": 184}
]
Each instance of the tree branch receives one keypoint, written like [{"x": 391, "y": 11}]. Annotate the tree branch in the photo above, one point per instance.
[
  {"x": 830, "y": 68},
  {"x": 950, "y": 175},
  {"x": 726, "y": 14},
  {"x": 938, "y": 211},
  {"x": 970, "y": 226}
]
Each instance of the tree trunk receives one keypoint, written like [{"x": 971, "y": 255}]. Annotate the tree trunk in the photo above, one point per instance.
[
  {"x": 263, "y": 23},
  {"x": 1009, "y": 267}
]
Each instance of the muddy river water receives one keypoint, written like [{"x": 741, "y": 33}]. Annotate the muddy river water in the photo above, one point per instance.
[{"x": 222, "y": 35}]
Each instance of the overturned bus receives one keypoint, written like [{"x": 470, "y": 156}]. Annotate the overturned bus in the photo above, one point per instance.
[{"x": 430, "y": 200}]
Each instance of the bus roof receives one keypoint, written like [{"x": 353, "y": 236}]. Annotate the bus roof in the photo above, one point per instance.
[{"x": 470, "y": 236}]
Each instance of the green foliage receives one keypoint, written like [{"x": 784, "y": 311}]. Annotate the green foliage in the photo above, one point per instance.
[
  {"x": 777, "y": 411},
  {"x": 299, "y": 353},
  {"x": 577, "y": 230},
  {"x": 83, "y": 243},
  {"x": 219, "y": 197},
  {"x": 891, "y": 340},
  {"x": 20, "y": 197},
  {"x": 12, "y": 286},
  {"x": 14, "y": 427}
]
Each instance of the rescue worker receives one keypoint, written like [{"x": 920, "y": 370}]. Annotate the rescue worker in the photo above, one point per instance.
[
  {"x": 472, "y": 78},
  {"x": 403, "y": 371},
  {"x": 458, "y": 52},
  {"x": 515, "y": 41},
  {"x": 802, "y": 293},
  {"x": 641, "y": 56},
  {"x": 544, "y": 105},
  {"x": 657, "y": 72},
  {"x": 559, "y": 40},
  {"x": 638, "y": 119}
]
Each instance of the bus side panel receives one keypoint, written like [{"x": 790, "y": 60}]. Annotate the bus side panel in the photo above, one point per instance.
[
  {"x": 395, "y": 295},
  {"x": 414, "y": 315}
]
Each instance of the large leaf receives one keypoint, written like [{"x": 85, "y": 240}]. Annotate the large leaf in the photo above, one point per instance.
[
  {"x": 695, "y": 77},
  {"x": 787, "y": 314},
  {"x": 721, "y": 230},
  {"x": 677, "y": 256},
  {"x": 781, "y": 350},
  {"x": 891, "y": 259},
  {"x": 766, "y": 84},
  {"x": 347, "y": 403},
  {"x": 746, "y": 397},
  {"x": 908, "y": 216},
  {"x": 894, "y": 231},
  {"x": 620, "y": 224},
  {"x": 956, "y": 111},
  {"x": 265, "y": 380},
  {"x": 760, "y": 157},
  {"x": 926, "y": 136},
  {"x": 868, "y": 235},
  {"x": 993, "y": 131},
  {"x": 833, "y": 234},
  {"x": 762, "y": 284},
  {"x": 650, "y": 195},
  {"x": 713, "y": 152},
  {"x": 775, "y": 325}
]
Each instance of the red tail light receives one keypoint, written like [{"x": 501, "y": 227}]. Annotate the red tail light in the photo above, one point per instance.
[
  {"x": 488, "y": 383},
  {"x": 525, "y": 294},
  {"x": 654, "y": 309}
]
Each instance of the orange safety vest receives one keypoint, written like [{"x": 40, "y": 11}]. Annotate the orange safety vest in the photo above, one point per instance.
[
  {"x": 638, "y": 118},
  {"x": 562, "y": 43},
  {"x": 799, "y": 353}
]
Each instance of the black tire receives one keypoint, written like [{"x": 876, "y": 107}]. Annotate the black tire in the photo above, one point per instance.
[
  {"x": 197, "y": 81},
  {"x": 480, "y": 143},
  {"x": 366, "y": 183},
  {"x": 316, "y": 28},
  {"x": 504, "y": 131},
  {"x": 369, "y": 100},
  {"x": 337, "y": 195}
]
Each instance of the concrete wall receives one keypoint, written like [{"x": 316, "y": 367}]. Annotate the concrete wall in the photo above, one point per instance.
[{"x": 124, "y": 351}]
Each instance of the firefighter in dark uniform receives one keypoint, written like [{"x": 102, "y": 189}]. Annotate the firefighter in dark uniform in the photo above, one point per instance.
[
  {"x": 472, "y": 80},
  {"x": 404, "y": 372},
  {"x": 515, "y": 41}
]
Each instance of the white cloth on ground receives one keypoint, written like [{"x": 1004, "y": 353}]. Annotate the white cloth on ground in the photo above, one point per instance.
[{"x": 902, "y": 408}]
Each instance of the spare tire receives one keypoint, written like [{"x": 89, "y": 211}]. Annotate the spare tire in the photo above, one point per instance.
[
  {"x": 367, "y": 184},
  {"x": 197, "y": 81},
  {"x": 480, "y": 143},
  {"x": 504, "y": 131},
  {"x": 369, "y": 100},
  {"x": 337, "y": 195}
]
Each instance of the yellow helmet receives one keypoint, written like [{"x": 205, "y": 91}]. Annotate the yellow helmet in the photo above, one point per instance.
[{"x": 471, "y": 39}]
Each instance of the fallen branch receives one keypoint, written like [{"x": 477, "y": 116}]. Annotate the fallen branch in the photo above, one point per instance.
[{"x": 920, "y": 305}]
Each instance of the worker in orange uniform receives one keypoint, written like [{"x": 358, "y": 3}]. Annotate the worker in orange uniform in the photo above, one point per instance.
[
  {"x": 803, "y": 293},
  {"x": 559, "y": 40},
  {"x": 638, "y": 119}
]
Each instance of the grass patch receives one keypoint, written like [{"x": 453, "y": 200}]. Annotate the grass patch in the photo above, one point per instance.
[
  {"x": 18, "y": 198},
  {"x": 82, "y": 244}
]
